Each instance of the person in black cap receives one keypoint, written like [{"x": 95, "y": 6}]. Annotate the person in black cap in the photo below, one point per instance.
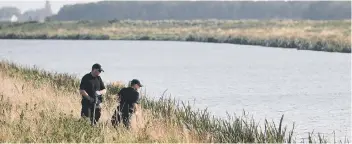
[
  {"x": 92, "y": 86},
  {"x": 129, "y": 100}
]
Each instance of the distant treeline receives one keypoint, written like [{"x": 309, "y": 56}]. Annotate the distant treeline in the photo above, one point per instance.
[{"x": 186, "y": 10}]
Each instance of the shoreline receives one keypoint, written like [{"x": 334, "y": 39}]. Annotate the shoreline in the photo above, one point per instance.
[
  {"x": 238, "y": 129},
  {"x": 176, "y": 41},
  {"x": 287, "y": 44},
  {"x": 326, "y": 36}
]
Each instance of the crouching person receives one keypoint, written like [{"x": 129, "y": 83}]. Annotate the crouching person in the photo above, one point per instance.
[{"x": 128, "y": 98}]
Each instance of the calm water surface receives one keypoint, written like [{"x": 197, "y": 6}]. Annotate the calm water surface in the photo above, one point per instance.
[{"x": 312, "y": 89}]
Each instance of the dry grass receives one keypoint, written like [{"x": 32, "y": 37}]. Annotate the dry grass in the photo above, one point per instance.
[
  {"x": 43, "y": 114},
  {"x": 332, "y": 36},
  {"x": 37, "y": 106}
]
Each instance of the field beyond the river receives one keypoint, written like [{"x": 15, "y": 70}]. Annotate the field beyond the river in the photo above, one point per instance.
[{"x": 331, "y": 36}]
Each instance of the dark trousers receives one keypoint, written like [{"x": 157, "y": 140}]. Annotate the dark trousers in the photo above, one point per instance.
[
  {"x": 87, "y": 111},
  {"x": 122, "y": 114}
]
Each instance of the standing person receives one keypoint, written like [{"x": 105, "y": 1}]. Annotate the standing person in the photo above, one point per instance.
[
  {"x": 92, "y": 86},
  {"x": 129, "y": 100}
]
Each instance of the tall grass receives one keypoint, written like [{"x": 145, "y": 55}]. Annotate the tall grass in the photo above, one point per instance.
[
  {"x": 331, "y": 36},
  {"x": 33, "y": 110},
  {"x": 37, "y": 106}
]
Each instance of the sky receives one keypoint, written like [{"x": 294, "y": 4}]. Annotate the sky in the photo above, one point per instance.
[{"x": 25, "y": 5}]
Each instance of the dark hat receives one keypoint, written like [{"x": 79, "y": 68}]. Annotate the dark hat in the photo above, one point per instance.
[
  {"x": 135, "y": 81},
  {"x": 97, "y": 66}
]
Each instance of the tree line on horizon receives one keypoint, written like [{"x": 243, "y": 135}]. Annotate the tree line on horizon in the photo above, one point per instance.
[{"x": 188, "y": 10}]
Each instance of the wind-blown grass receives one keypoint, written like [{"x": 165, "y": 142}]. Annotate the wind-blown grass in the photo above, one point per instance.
[
  {"x": 37, "y": 106},
  {"x": 331, "y": 36}
]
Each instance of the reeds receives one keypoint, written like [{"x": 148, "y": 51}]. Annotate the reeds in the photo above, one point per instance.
[
  {"x": 37, "y": 106},
  {"x": 331, "y": 36}
]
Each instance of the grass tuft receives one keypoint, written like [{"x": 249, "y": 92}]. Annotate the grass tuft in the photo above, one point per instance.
[{"x": 38, "y": 106}]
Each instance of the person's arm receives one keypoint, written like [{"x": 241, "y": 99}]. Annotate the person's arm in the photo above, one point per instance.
[
  {"x": 82, "y": 88},
  {"x": 102, "y": 87},
  {"x": 136, "y": 101},
  {"x": 135, "y": 107},
  {"x": 83, "y": 93},
  {"x": 119, "y": 95}
]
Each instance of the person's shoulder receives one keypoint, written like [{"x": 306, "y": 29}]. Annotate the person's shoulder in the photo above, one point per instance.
[
  {"x": 86, "y": 75},
  {"x": 99, "y": 77},
  {"x": 129, "y": 90},
  {"x": 123, "y": 89},
  {"x": 134, "y": 91}
]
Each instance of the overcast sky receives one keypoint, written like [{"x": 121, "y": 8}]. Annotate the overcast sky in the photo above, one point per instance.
[{"x": 24, "y": 5}]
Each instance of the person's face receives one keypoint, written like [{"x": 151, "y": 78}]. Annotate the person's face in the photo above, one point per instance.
[
  {"x": 136, "y": 86},
  {"x": 96, "y": 72}
]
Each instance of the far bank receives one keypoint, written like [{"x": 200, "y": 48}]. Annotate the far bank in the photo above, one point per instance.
[{"x": 329, "y": 36}]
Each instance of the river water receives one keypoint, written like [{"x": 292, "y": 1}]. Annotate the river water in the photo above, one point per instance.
[{"x": 312, "y": 89}]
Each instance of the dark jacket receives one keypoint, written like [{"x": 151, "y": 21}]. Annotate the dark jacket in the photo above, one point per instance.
[{"x": 128, "y": 97}]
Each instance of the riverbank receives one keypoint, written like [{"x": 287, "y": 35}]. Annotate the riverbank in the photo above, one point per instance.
[
  {"x": 329, "y": 36},
  {"x": 38, "y": 106}
]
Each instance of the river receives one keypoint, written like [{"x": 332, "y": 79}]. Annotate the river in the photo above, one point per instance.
[{"x": 312, "y": 89}]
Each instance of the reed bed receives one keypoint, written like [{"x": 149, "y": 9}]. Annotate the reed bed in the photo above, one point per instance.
[
  {"x": 38, "y": 106},
  {"x": 330, "y": 36}
]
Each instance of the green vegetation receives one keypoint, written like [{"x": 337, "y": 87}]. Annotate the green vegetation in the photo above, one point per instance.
[
  {"x": 37, "y": 106},
  {"x": 331, "y": 36},
  {"x": 190, "y": 10}
]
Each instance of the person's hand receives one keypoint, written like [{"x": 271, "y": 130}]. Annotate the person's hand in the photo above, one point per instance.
[
  {"x": 135, "y": 109},
  {"x": 98, "y": 93},
  {"x": 90, "y": 99},
  {"x": 100, "y": 99}
]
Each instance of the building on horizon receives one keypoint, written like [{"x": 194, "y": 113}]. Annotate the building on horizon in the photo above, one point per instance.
[
  {"x": 9, "y": 14},
  {"x": 13, "y": 18},
  {"x": 37, "y": 15}
]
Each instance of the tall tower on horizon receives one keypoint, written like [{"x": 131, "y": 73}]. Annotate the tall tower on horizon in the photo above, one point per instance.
[{"x": 48, "y": 8}]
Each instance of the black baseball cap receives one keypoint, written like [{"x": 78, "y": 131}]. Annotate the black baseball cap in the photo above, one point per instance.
[
  {"x": 135, "y": 81},
  {"x": 97, "y": 66}
]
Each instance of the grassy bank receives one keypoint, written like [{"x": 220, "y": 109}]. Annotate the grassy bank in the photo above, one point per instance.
[
  {"x": 37, "y": 106},
  {"x": 331, "y": 36}
]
